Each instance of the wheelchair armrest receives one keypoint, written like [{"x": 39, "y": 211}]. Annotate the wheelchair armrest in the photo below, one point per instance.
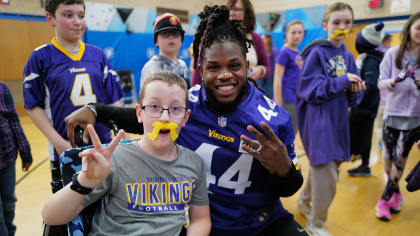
[{"x": 70, "y": 163}]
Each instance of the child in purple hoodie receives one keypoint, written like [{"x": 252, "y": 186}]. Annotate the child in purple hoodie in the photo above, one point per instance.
[{"x": 328, "y": 84}]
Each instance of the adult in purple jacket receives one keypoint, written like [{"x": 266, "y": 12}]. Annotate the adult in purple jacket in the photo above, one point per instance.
[
  {"x": 243, "y": 10},
  {"x": 328, "y": 84}
]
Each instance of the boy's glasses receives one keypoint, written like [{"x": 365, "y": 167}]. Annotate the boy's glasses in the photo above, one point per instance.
[
  {"x": 168, "y": 33},
  {"x": 155, "y": 111}
]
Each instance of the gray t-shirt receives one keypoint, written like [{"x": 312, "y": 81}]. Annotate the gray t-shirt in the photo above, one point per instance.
[
  {"x": 160, "y": 63},
  {"x": 144, "y": 195}
]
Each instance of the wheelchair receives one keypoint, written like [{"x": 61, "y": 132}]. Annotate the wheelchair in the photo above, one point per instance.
[
  {"x": 127, "y": 86},
  {"x": 70, "y": 163}
]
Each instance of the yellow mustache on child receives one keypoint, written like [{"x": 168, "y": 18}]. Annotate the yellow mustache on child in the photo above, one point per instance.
[
  {"x": 339, "y": 32},
  {"x": 157, "y": 126}
]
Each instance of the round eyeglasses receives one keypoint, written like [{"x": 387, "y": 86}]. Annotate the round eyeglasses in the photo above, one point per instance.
[{"x": 155, "y": 111}]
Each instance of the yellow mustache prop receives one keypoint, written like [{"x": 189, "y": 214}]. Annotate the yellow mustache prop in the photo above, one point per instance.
[
  {"x": 157, "y": 126},
  {"x": 338, "y": 32}
]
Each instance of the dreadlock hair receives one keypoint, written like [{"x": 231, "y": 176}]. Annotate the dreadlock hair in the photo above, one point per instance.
[{"x": 215, "y": 26}]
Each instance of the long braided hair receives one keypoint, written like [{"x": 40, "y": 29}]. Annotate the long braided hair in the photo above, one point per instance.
[{"x": 215, "y": 26}]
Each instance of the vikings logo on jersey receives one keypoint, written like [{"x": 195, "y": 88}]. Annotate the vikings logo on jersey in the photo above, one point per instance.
[{"x": 299, "y": 61}]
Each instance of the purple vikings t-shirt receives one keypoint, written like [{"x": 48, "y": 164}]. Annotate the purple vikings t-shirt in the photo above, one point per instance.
[
  {"x": 60, "y": 83},
  {"x": 293, "y": 63},
  {"x": 240, "y": 188}
]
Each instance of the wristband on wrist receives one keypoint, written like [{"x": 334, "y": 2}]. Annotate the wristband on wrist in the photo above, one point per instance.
[
  {"x": 92, "y": 109},
  {"x": 77, "y": 187}
]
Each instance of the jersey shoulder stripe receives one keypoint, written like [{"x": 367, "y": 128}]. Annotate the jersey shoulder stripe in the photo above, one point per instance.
[{"x": 40, "y": 47}]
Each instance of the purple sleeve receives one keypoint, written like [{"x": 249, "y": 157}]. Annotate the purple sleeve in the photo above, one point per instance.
[
  {"x": 413, "y": 178},
  {"x": 33, "y": 85},
  {"x": 261, "y": 52},
  {"x": 353, "y": 98},
  {"x": 112, "y": 83},
  {"x": 314, "y": 84},
  {"x": 14, "y": 124},
  {"x": 282, "y": 57},
  {"x": 385, "y": 71}
]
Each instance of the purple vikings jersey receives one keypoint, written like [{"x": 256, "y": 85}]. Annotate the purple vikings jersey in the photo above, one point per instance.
[
  {"x": 60, "y": 83},
  {"x": 240, "y": 188}
]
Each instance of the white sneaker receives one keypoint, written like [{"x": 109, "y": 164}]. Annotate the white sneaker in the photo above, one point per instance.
[
  {"x": 316, "y": 231},
  {"x": 304, "y": 208}
]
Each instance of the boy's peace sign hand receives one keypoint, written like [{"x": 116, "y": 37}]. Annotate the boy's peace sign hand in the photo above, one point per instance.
[{"x": 96, "y": 161}]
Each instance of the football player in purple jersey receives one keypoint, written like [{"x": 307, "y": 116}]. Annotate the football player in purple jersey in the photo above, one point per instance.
[
  {"x": 243, "y": 137},
  {"x": 64, "y": 75}
]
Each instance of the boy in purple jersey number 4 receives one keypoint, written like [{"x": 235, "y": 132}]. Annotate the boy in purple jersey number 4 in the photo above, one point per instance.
[
  {"x": 64, "y": 75},
  {"x": 243, "y": 137}
]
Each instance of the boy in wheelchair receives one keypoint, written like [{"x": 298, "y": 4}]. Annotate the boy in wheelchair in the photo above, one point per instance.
[{"x": 148, "y": 187}]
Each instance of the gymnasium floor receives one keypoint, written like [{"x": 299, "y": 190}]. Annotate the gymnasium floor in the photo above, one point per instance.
[{"x": 352, "y": 212}]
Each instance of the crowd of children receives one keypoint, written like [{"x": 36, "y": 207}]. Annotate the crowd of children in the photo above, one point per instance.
[{"x": 68, "y": 82}]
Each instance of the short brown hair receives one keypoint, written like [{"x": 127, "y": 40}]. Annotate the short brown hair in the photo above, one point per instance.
[
  {"x": 294, "y": 22},
  {"x": 167, "y": 77},
  {"x": 52, "y": 5},
  {"x": 338, "y": 6}
]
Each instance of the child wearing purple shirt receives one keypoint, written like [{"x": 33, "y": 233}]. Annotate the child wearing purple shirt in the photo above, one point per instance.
[
  {"x": 328, "y": 84},
  {"x": 288, "y": 65},
  {"x": 292, "y": 62}
]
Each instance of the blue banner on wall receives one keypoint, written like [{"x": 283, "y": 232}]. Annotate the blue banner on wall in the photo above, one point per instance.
[
  {"x": 310, "y": 35},
  {"x": 131, "y": 51}
]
